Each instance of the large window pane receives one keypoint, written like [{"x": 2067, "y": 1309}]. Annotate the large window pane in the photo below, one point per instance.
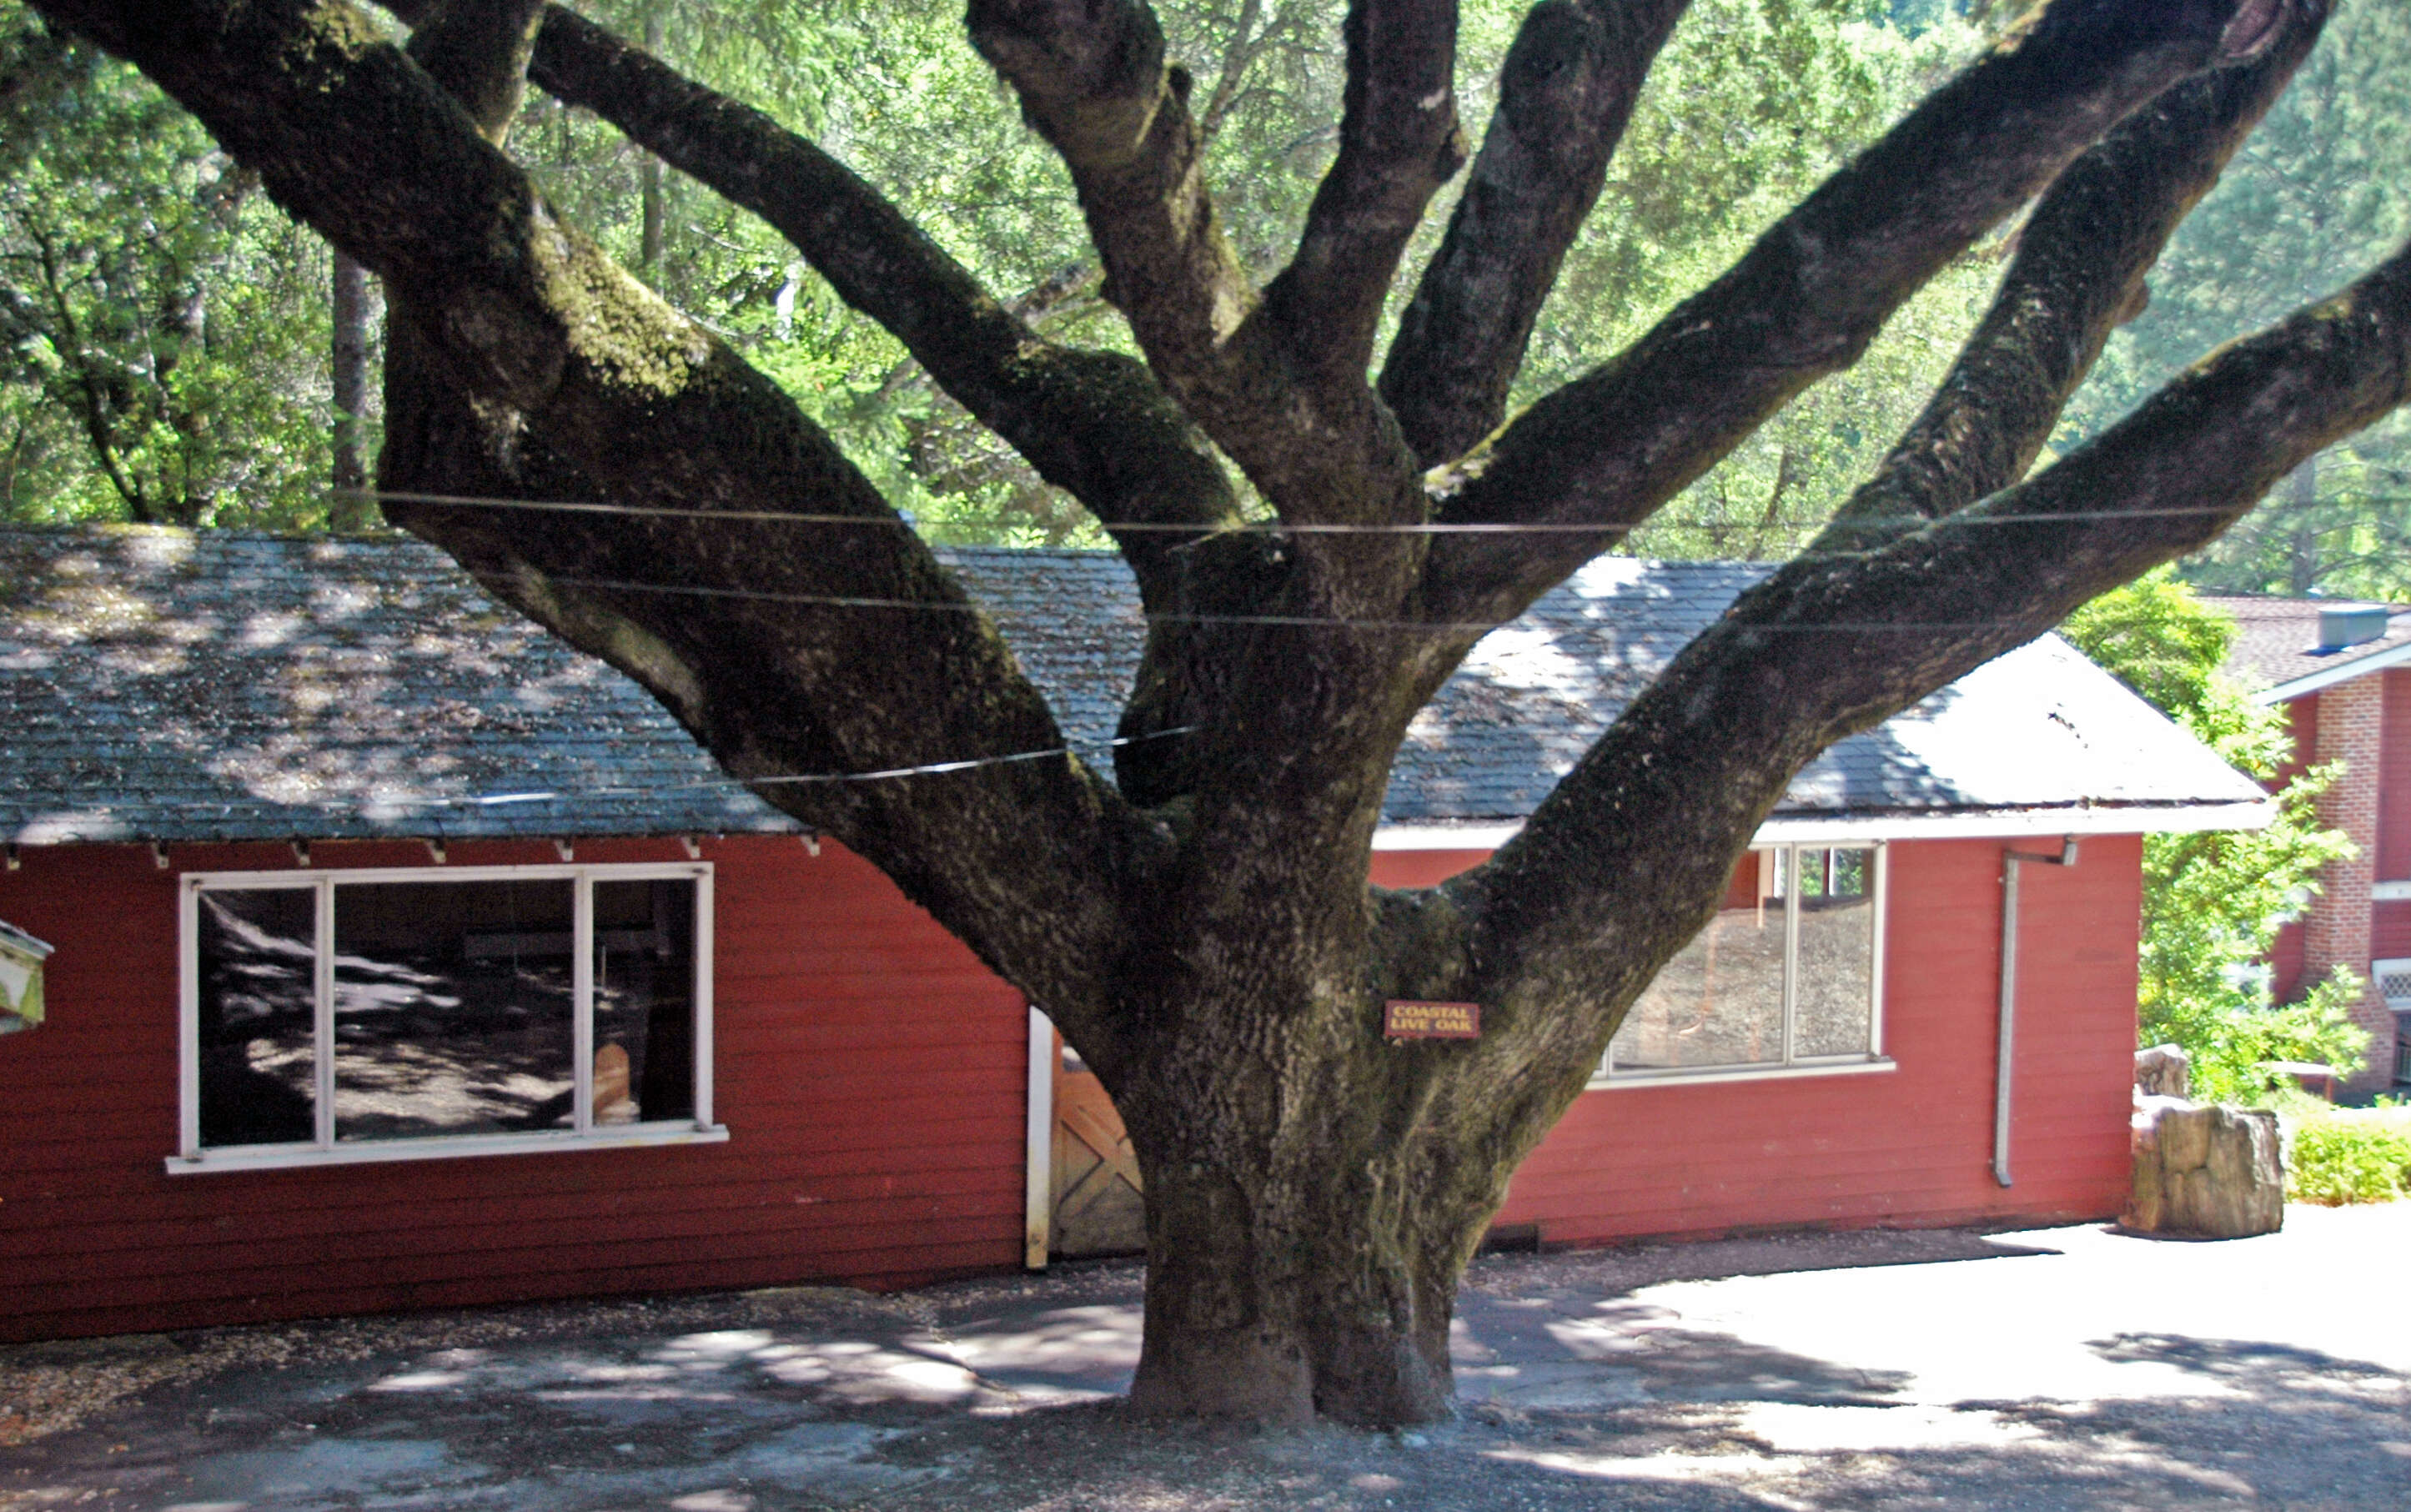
[
  {"x": 1720, "y": 1002},
  {"x": 644, "y": 1000},
  {"x": 454, "y": 1008},
  {"x": 257, "y": 968},
  {"x": 1835, "y": 993}
]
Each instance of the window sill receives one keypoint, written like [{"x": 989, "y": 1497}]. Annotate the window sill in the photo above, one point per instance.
[
  {"x": 1626, "y": 1080},
  {"x": 292, "y": 1157}
]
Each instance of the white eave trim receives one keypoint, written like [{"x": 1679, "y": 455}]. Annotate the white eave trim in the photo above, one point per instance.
[
  {"x": 1444, "y": 837},
  {"x": 2340, "y": 672},
  {"x": 1817, "y": 829}
]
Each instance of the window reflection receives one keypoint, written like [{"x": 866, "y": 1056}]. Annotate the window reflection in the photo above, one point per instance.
[
  {"x": 1834, "y": 984},
  {"x": 1721, "y": 1000},
  {"x": 644, "y": 1000},
  {"x": 258, "y": 1066},
  {"x": 454, "y": 1008}
]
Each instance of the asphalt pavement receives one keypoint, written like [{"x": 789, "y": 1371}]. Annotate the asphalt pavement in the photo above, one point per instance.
[{"x": 2062, "y": 1367}]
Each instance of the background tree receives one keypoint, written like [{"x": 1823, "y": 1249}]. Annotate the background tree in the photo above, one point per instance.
[
  {"x": 159, "y": 320},
  {"x": 2212, "y": 903},
  {"x": 2308, "y": 200},
  {"x": 1199, "y": 924}
]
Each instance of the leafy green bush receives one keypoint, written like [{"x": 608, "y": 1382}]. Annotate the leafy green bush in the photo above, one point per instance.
[
  {"x": 2351, "y": 1156},
  {"x": 2212, "y": 903}
]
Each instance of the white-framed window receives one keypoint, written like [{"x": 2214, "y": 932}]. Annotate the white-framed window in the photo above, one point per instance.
[
  {"x": 1786, "y": 980},
  {"x": 2393, "y": 979},
  {"x": 332, "y": 1017}
]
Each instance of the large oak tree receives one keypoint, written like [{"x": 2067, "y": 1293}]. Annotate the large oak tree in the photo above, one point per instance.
[{"x": 1198, "y": 922}]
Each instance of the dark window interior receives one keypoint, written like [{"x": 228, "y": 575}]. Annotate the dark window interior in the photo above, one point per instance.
[{"x": 258, "y": 954}]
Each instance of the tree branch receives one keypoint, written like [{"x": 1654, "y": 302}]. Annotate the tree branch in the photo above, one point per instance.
[
  {"x": 1398, "y": 142},
  {"x": 478, "y": 49},
  {"x": 1092, "y": 79},
  {"x": 1626, "y": 858},
  {"x": 2078, "y": 275},
  {"x": 1095, "y": 424},
  {"x": 706, "y": 610},
  {"x": 1566, "y": 95},
  {"x": 1611, "y": 446}
]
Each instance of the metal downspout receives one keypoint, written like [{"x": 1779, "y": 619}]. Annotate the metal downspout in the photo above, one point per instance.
[{"x": 2005, "y": 1064}]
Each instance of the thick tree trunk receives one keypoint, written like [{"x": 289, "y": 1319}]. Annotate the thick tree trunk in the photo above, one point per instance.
[
  {"x": 1204, "y": 931},
  {"x": 1294, "y": 1267}
]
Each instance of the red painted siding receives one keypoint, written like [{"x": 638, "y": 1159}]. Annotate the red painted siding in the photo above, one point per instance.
[
  {"x": 1422, "y": 868},
  {"x": 868, "y": 1069},
  {"x": 871, "y": 1074},
  {"x": 1911, "y": 1146},
  {"x": 2394, "y": 781}
]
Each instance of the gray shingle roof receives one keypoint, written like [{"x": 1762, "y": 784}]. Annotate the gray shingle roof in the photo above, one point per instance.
[
  {"x": 2277, "y": 640},
  {"x": 163, "y": 686}
]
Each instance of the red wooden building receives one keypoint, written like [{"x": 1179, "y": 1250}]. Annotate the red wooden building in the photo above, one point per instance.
[
  {"x": 405, "y": 958},
  {"x": 2342, "y": 673}
]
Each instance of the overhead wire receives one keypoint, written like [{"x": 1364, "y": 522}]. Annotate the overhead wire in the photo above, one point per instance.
[
  {"x": 899, "y": 521},
  {"x": 1069, "y": 748},
  {"x": 1270, "y": 528}
]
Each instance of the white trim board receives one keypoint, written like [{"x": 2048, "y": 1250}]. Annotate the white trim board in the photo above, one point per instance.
[
  {"x": 1816, "y": 830},
  {"x": 257, "y": 1158},
  {"x": 1628, "y": 1080},
  {"x": 325, "y": 1148},
  {"x": 2330, "y": 676},
  {"x": 1037, "y": 1147},
  {"x": 2390, "y": 892}
]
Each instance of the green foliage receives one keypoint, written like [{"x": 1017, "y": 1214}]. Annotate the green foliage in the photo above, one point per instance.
[
  {"x": 181, "y": 370},
  {"x": 2350, "y": 1156},
  {"x": 1723, "y": 142},
  {"x": 161, "y": 324},
  {"x": 2212, "y": 903}
]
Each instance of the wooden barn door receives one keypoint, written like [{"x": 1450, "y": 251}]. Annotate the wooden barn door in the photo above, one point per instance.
[{"x": 1097, "y": 1206}]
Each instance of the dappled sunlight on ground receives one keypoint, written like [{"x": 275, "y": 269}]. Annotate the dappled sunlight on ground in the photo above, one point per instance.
[{"x": 2074, "y": 1369}]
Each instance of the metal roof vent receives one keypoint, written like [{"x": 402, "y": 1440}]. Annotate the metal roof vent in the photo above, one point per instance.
[{"x": 2342, "y": 627}]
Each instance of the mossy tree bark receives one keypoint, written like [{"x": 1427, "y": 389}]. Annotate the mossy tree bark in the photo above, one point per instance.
[{"x": 1200, "y": 924}]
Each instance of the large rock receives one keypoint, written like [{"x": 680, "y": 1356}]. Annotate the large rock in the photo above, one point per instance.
[
  {"x": 2164, "y": 1071},
  {"x": 2205, "y": 1171}
]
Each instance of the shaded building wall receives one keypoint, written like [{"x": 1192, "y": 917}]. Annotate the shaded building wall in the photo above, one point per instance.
[
  {"x": 1910, "y": 1147},
  {"x": 870, "y": 1071}
]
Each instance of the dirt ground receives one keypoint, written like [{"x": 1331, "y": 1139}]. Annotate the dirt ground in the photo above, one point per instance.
[{"x": 2071, "y": 1367}]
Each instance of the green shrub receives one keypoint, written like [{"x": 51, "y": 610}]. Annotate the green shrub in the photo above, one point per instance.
[{"x": 2351, "y": 1157}]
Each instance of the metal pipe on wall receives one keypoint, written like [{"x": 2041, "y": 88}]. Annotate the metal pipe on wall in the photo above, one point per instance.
[{"x": 2005, "y": 1062}]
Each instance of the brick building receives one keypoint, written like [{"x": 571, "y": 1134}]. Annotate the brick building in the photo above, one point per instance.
[{"x": 2342, "y": 673}]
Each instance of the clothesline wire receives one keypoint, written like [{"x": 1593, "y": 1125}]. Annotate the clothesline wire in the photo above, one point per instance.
[
  {"x": 1291, "y": 620},
  {"x": 1287, "y": 620},
  {"x": 561, "y": 791},
  {"x": 1070, "y": 747},
  {"x": 1262, "y": 527}
]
